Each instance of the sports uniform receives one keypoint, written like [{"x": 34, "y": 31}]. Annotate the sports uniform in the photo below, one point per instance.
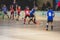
[
  {"x": 32, "y": 16},
  {"x": 32, "y": 13},
  {"x": 12, "y": 12},
  {"x": 4, "y": 9},
  {"x": 18, "y": 10},
  {"x": 50, "y": 16},
  {"x": 27, "y": 14}
]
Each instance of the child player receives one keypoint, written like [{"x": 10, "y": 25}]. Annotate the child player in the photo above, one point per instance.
[
  {"x": 27, "y": 13},
  {"x": 12, "y": 12},
  {"x": 4, "y": 9},
  {"x": 32, "y": 16},
  {"x": 50, "y": 16},
  {"x": 18, "y": 11}
]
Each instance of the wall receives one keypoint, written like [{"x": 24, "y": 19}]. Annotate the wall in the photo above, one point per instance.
[{"x": 40, "y": 2}]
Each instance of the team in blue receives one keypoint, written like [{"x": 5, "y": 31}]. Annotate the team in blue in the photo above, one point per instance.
[{"x": 50, "y": 16}]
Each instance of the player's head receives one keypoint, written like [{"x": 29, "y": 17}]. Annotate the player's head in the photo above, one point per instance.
[
  {"x": 16, "y": 5},
  {"x": 12, "y": 6},
  {"x": 27, "y": 7},
  {"x": 4, "y": 5},
  {"x": 35, "y": 8},
  {"x": 50, "y": 8},
  {"x": 19, "y": 7}
]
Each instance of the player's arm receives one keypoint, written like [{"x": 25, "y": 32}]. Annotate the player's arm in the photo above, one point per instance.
[
  {"x": 2, "y": 8},
  {"x": 10, "y": 9},
  {"x": 6, "y": 8},
  {"x": 53, "y": 14},
  {"x": 47, "y": 13},
  {"x": 20, "y": 10},
  {"x": 24, "y": 10}
]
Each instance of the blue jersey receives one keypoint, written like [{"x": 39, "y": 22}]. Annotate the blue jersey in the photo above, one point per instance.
[
  {"x": 4, "y": 9},
  {"x": 32, "y": 12},
  {"x": 50, "y": 14}
]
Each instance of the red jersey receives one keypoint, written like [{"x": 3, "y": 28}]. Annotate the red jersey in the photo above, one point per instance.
[
  {"x": 27, "y": 12},
  {"x": 18, "y": 10},
  {"x": 11, "y": 9}
]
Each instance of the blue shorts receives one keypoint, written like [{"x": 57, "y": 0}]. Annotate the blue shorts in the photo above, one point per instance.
[
  {"x": 5, "y": 12},
  {"x": 31, "y": 15},
  {"x": 49, "y": 21}
]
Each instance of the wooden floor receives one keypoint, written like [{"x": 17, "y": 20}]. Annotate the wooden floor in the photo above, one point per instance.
[{"x": 16, "y": 30}]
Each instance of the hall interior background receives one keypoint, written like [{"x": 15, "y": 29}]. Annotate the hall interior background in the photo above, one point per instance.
[
  {"x": 22, "y": 3},
  {"x": 30, "y": 3}
]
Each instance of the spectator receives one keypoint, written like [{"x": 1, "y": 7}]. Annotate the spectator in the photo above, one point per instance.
[
  {"x": 58, "y": 5},
  {"x": 44, "y": 7},
  {"x": 48, "y": 4},
  {"x": 14, "y": 4}
]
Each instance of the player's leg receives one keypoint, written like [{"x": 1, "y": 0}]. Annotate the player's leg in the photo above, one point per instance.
[
  {"x": 18, "y": 15},
  {"x": 15, "y": 12},
  {"x": 6, "y": 14},
  {"x": 28, "y": 16},
  {"x": 3, "y": 16},
  {"x": 48, "y": 21},
  {"x": 47, "y": 26},
  {"x": 12, "y": 15},
  {"x": 25, "y": 19},
  {"x": 31, "y": 19},
  {"x": 51, "y": 24},
  {"x": 34, "y": 19}
]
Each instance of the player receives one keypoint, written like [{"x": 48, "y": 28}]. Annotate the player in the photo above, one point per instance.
[
  {"x": 12, "y": 12},
  {"x": 32, "y": 16},
  {"x": 4, "y": 9},
  {"x": 27, "y": 13},
  {"x": 18, "y": 11},
  {"x": 50, "y": 16}
]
